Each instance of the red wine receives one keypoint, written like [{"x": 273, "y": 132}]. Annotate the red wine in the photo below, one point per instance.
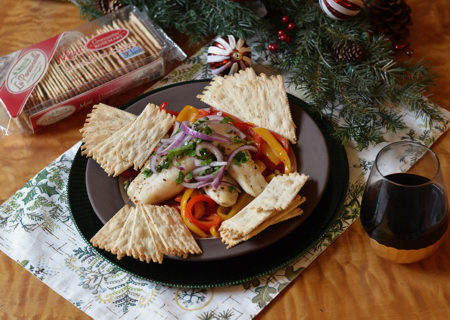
[{"x": 412, "y": 215}]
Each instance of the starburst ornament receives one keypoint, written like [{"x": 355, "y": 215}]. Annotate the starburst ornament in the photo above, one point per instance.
[{"x": 227, "y": 56}]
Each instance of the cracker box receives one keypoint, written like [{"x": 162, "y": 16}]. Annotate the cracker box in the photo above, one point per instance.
[{"x": 53, "y": 79}]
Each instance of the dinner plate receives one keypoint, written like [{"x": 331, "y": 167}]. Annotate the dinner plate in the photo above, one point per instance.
[
  {"x": 310, "y": 151},
  {"x": 238, "y": 269}
]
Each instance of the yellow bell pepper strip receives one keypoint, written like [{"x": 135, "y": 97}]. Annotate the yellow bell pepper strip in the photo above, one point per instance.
[
  {"x": 188, "y": 113},
  {"x": 209, "y": 219},
  {"x": 276, "y": 147},
  {"x": 184, "y": 199},
  {"x": 284, "y": 142},
  {"x": 214, "y": 232},
  {"x": 244, "y": 199},
  {"x": 269, "y": 153}
]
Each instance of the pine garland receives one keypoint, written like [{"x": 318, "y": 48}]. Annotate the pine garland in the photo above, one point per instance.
[{"x": 358, "y": 97}]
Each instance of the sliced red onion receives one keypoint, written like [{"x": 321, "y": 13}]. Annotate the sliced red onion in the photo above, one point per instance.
[
  {"x": 208, "y": 177},
  {"x": 220, "y": 138},
  {"x": 194, "y": 133},
  {"x": 218, "y": 179},
  {"x": 242, "y": 148},
  {"x": 212, "y": 117},
  {"x": 197, "y": 170},
  {"x": 211, "y": 148},
  {"x": 175, "y": 127},
  {"x": 153, "y": 163},
  {"x": 177, "y": 139},
  {"x": 218, "y": 163},
  {"x": 195, "y": 185}
]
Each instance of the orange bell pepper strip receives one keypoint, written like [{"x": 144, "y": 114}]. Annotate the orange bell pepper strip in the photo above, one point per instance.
[
  {"x": 184, "y": 200},
  {"x": 276, "y": 147},
  {"x": 188, "y": 113}
]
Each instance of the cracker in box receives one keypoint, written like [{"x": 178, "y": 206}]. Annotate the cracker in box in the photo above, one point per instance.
[{"x": 51, "y": 80}]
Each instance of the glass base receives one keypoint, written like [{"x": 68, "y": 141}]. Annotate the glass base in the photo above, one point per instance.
[{"x": 403, "y": 255}]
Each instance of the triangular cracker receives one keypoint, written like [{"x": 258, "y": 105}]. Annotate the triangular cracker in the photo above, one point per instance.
[
  {"x": 121, "y": 245},
  {"x": 256, "y": 99},
  {"x": 176, "y": 237},
  {"x": 101, "y": 123},
  {"x": 141, "y": 138},
  {"x": 143, "y": 245},
  {"x": 111, "y": 230}
]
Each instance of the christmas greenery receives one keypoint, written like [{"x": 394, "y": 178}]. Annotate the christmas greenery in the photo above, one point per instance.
[{"x": 359, "y": 94}]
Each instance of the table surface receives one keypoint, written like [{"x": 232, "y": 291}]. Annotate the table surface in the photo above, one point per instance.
[{"x": 346, "y": 281}]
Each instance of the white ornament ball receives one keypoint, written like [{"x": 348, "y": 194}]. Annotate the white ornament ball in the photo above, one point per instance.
[{"x": 341, "y": 9}]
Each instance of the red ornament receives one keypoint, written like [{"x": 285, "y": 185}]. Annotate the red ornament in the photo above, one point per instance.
[
  {"x": 288, "y": 39},
  {"x": 285, "y": 19},
  {"x": 281, "y": 32},
  {"x": 401, "y": 46},
  {"x": 291, "y": 26},
  {"x": 273, "y": 47},
  {"x": 283, "y": 37}
]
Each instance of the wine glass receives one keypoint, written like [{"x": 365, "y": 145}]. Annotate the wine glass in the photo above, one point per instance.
[{"x": 404, "y": 206}]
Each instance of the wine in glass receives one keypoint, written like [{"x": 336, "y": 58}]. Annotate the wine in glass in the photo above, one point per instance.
[{"x": 404, "y": 206}]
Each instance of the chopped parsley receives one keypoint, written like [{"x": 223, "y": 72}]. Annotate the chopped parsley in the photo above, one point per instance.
[
  {"x": 227, "y": 119},
  {"x": 147, "y": 172},
  {"x": 206, "y": 130},
  {"x": 188, "y": 176},
  {"x": 231, "y": 188},
  {"x": 180, "y": 177},
  {"x": 237, "y": 140},
  {"x": 241, "y": 157}
]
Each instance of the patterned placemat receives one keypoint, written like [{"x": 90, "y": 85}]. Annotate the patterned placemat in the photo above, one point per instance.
[{"x": 36, "y": 230}]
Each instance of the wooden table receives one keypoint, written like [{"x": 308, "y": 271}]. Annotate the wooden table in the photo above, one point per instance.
[{"x": 347, "y": 281}]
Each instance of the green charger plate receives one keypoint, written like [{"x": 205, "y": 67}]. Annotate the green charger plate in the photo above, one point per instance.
[{"x": 235, "y": 270}]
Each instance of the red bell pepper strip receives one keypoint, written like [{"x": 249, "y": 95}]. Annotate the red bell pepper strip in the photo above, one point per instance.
[{"x": 209, "y": 220}]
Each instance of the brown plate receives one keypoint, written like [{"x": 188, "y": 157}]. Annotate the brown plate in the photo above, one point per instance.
[{"x": 312, "y": 159}]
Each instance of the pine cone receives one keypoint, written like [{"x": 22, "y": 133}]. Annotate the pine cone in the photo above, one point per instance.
[
  {"x": 390, "y": 17},
  {"x": 348, "y": 52},
  {"x": 108, "y": 6}
]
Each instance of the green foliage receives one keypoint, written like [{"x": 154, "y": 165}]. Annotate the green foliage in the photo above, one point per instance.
[{"x": 361, "y": 98}]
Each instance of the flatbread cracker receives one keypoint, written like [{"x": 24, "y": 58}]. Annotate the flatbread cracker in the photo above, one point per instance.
[
  {"x": 277, "y": 196},
  {"x": 101, "y": 123},
  {"x": 176, "y": 237},
  {"x": 105, "y": 237},
  {"x": 122, "y": 244},
  {"x": 143, "y": 135},
  {"x": 131, "y": 145},
  {"x": 292, "y": 211},
  {"x": 256, "y": 99},
  {"x": 143, "y": 245}
]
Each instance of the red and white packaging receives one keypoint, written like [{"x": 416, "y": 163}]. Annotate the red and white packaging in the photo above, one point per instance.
[{"x": 51, "y": 80}]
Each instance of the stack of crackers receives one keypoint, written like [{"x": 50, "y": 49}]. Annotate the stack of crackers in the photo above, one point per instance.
[
  {"x": 118, "y": 140},
  {"x": 279, "y": 201},
  {"x": 147, "y": 233}
]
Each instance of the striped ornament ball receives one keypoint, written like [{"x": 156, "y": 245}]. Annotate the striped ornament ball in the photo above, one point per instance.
[{"x": 341, "y": 9}]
